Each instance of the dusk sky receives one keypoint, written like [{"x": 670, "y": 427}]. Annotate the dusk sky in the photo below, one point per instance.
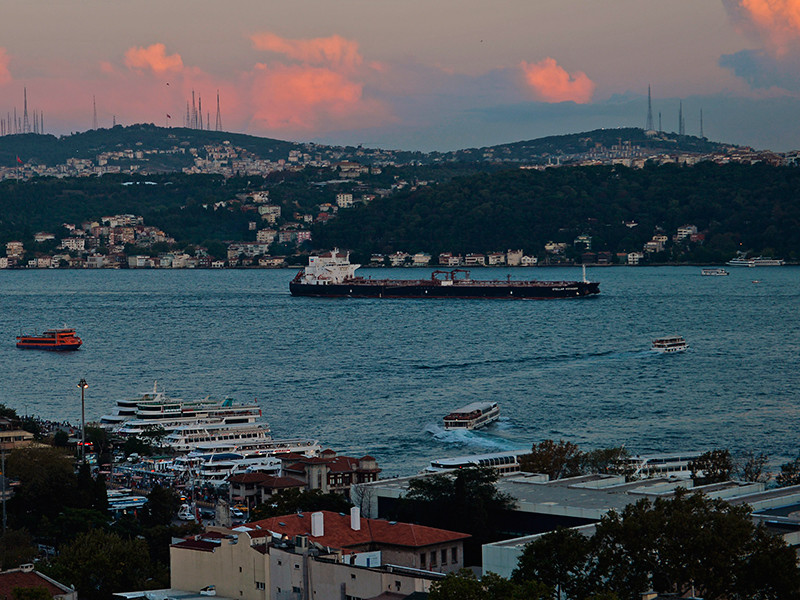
[{"x": 410, "y": 74}]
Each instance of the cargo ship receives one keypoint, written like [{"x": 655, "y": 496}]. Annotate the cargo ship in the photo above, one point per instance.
[
  {"x": 52, "y": 339},
  {"x": 332, "y": 275}
]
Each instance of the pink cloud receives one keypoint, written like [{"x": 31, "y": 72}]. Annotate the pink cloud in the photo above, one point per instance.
[
  {"x": 308, "y": 99},
  {"x": 551, "y": 83},
  {"x": 153, "y": 57},
  {"x": 334, "y": 51},
  {"x": 5, "y": 74},
  {"x": 777, "y": 21}
]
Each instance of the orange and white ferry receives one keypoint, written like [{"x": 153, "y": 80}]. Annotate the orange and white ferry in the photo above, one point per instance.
[{"x": 52, "y": 339}]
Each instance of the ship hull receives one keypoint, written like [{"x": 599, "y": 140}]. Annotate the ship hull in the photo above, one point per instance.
[
  {"x": 50, "y": 347},
  {"x": 475, "y": 290}
]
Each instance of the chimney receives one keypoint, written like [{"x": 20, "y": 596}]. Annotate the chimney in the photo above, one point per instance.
[
  {"x": 355, "y": 518},
  {"x": 317, "y": 527}
]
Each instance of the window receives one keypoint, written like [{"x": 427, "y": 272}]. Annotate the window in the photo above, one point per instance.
[
  {"x": 444, "y": 556},
  {"x": 352, "y": 575},
  {"x": 433, "y": 558},
  {"x": 454, "y": 554},
  {"x": 260, "y": 585},
  {"x": 422, "y": 559},
  {"x": 397, "y": 585}
]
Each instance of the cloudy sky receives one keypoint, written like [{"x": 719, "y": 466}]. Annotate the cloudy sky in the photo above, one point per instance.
[{"x": 409, "y": 74}]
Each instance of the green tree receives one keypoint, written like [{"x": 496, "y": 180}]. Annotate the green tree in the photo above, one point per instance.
[
  {"x": 790, "y": 473},
  {"x": 713, "y": 466},
  {"x": 604, "y": 460},
  {"x": 161, "y": 507},
  {"x": 294, "y": 499},
  {"x": 16, "y": 548},
  {"x": 559, "y": 559},
  {"x": 47, "y": 483},
  {"x": 557, "y": 460},
  {"x": 39, "y": 592},
  {"x": 99, "y": 563},
  {"x": 751, "y": 467},
  {"x": 690, "y": 542}
]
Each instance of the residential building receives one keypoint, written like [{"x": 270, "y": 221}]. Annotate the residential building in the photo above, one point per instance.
[
  {"x": 74, "y": 243},
  {"x": 528, "y": 261},
  {"x": 344, "y": 200},
  {"x": 420, "y": 259},
  {"x": 634, "y": 258},
  {"x": 446, "y": 259},
  {"x": 329, "y": 472},
  {"x": 496, "y": 258},
  {"x": 398, "y": 259},
  {"x": 320, "y": 555},
  {"x": 514, "y": 258},
  {"x": 266, "y": 236},
  {"x": 43, "y": 236},
  {"x": 26, "y": 578},
  {"x": 475, "y": 260},
  {"x": 257, "y": 488},
  {"x": 15, "y": 249},
  {"x": 685, "y": 232}
]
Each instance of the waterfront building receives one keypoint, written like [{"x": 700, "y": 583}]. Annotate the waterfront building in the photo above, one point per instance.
[{"x": 329, "y": 472}]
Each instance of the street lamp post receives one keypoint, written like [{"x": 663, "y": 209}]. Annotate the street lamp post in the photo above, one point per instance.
[{"x": 83, "y": 385}]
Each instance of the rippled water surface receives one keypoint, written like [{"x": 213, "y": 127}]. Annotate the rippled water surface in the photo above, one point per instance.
[{"x": 376, "y": 376}]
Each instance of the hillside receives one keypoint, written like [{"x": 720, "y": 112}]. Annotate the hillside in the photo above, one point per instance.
[
  {"x": 50, "y": 150},
  {"x": 738, "y": 207}
]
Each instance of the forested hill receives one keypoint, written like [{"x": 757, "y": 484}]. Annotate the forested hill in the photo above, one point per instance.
[{"x": 739, "y": 207}]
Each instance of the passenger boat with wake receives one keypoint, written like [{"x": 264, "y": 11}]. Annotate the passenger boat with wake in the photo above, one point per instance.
[
  {"x": 668, "y": 345},
  {"x": 332, "y": 275},
  {"x": 472, "y": 416},
  {"x": 52, "y": 339}
]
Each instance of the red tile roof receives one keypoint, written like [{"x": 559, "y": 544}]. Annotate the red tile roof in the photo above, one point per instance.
[
  {"x": 338, "y": 534},
  {"x": 17, "y": 579},
  {"x": 201, "y": 545}
]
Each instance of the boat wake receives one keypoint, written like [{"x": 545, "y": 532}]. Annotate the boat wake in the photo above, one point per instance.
[
  {"x": 468, "y": 438},
  {"x": 556, "y": 358}
]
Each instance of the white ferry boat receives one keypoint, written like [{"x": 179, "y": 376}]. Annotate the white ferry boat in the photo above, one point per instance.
[
  {"x": 758, "y": 261},
  {"x": 714, "y": 272},
  {"x": 307, "y": 447},
  {"x": 187, "y": 437},
  {"x": 156, "y": 410},
  {"x": 216, "y": 468},
  {"x": 126, "y": 409},
  {"x": 503, "y": 462},
  {"x": 668, "y": 345},
  {"x": 472, "y": 416}
]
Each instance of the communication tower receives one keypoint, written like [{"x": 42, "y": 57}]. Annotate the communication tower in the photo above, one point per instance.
[
  {"x": 26, "y": 126},
  {"x": 681, "y": 122},
  {"x": 218, "y": 124},
  {"x": 94, "y": 113},
  {"x": 702, "y": 137},
  {"x": 649, "y": 110}
]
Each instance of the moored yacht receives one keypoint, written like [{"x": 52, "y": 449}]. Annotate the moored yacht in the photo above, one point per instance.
[{"x": 186, "y": 438}]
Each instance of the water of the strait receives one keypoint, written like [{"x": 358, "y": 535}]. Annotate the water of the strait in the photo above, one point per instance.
[{"x": 376, "y": 376}]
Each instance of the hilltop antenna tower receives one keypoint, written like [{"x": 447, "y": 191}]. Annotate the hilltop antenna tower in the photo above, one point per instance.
[
  {"x": 218, "y": 124},
  {"x": 659, "y": 122},
  {"x": 26, "y": 126},
  {"x": 702, "y": 137},
  {"x": 94, "y": 113},
  {"x": 649, "y": 110},
  {"x": 681, "y": 123},
  {"x": 200, "y": 111},
  {"x": 194, "y": 113}
]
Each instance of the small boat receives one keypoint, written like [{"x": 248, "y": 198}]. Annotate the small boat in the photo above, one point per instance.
[
  {"x": 472, "y": 416},
  {"x": 52, "y": 339},
  {"x": 668, "y": 345},
  {"x": 714, "y": 272}
]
